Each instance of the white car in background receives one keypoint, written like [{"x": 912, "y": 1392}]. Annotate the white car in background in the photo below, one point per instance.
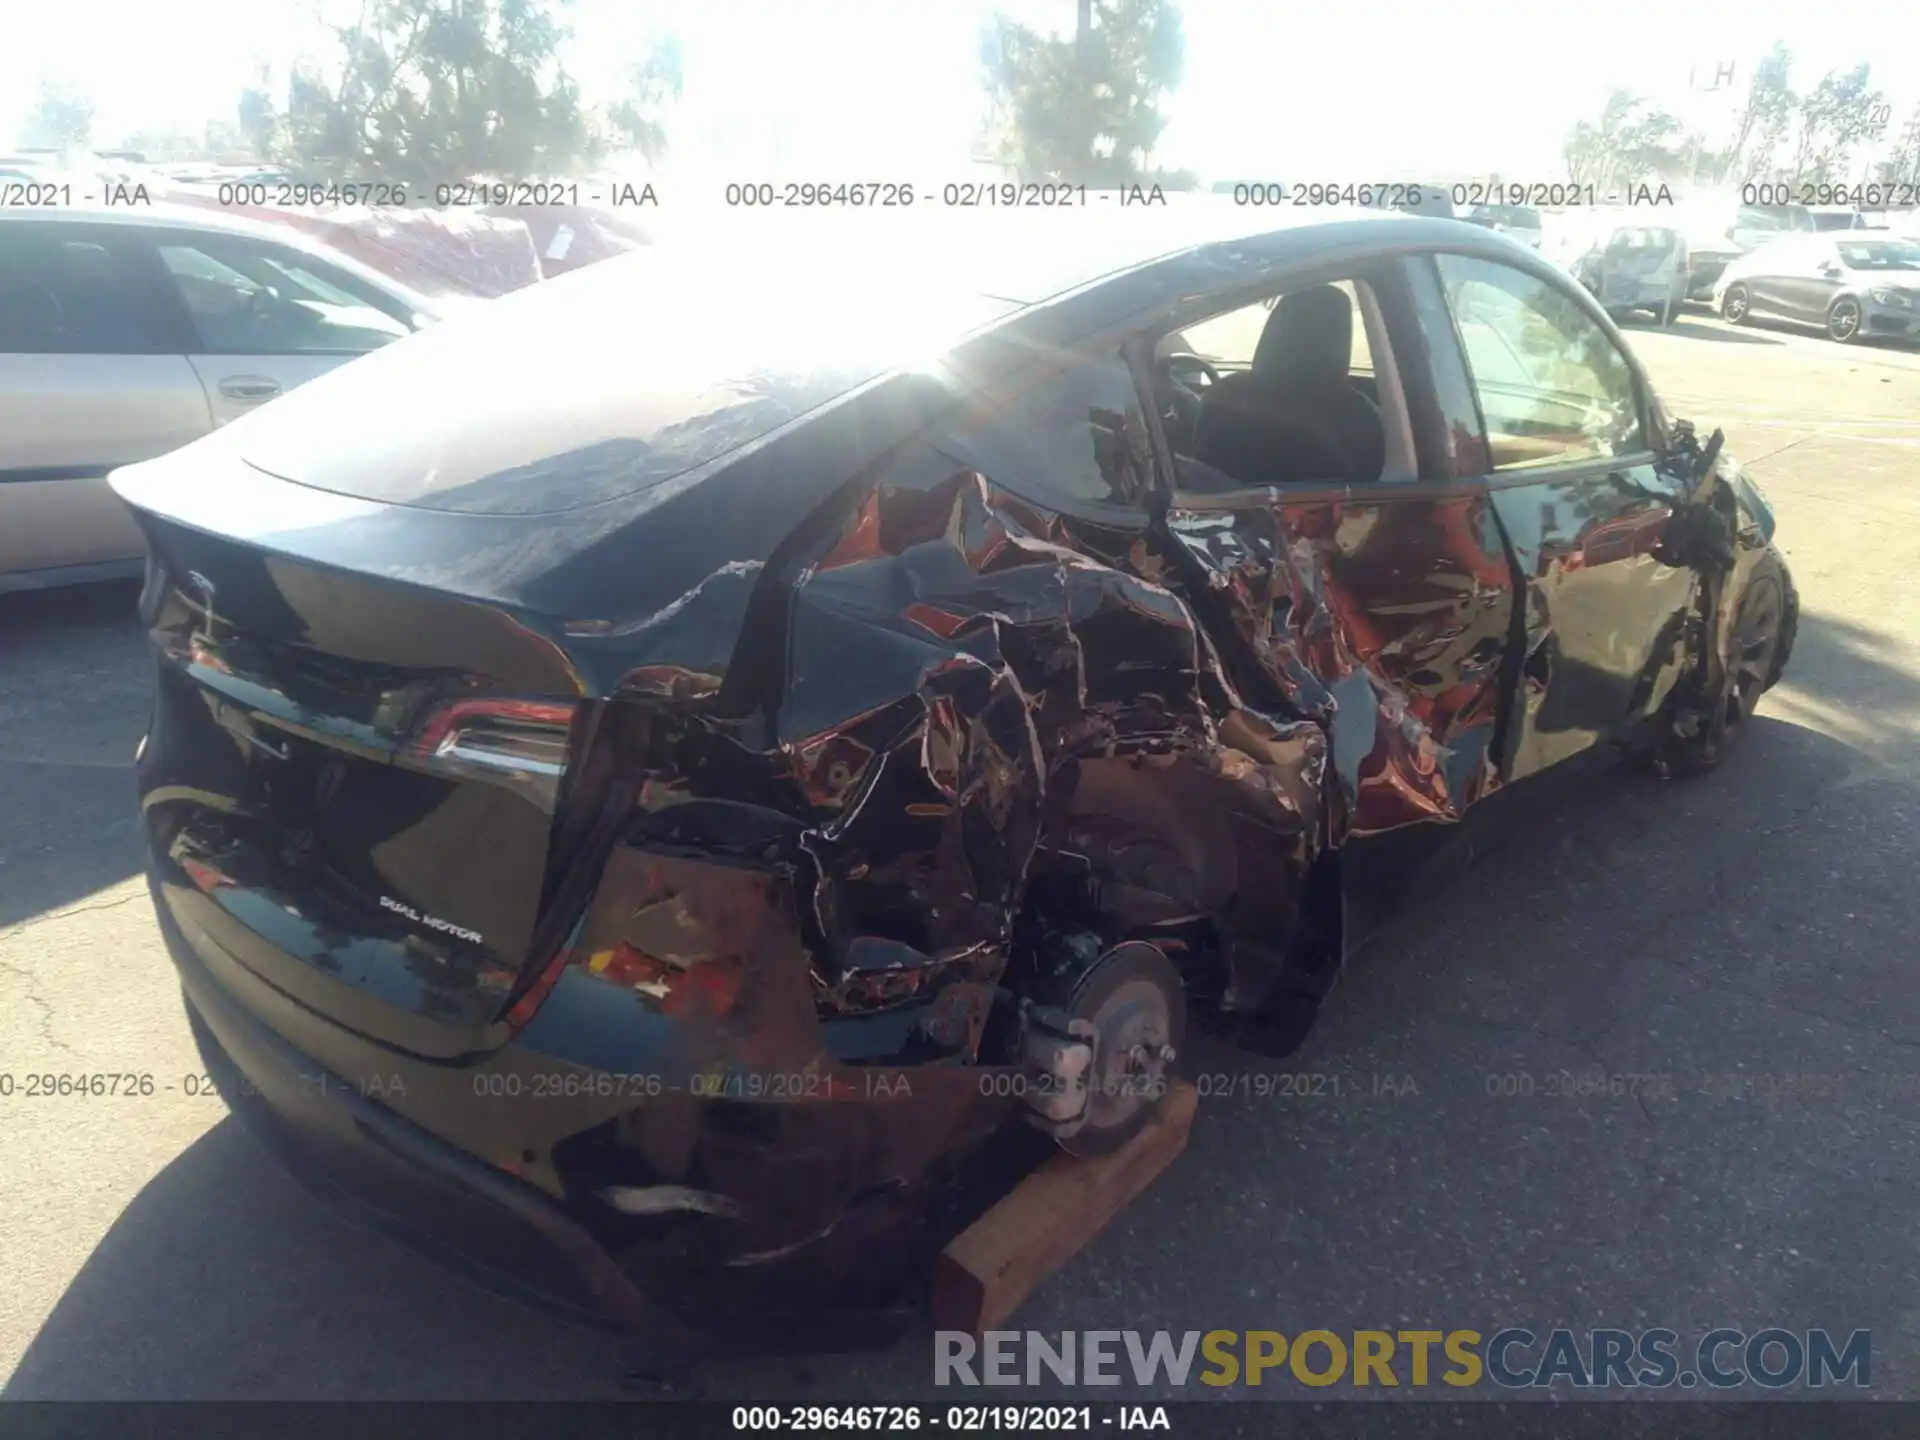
[
  {"x": 125, "y": 332},
  {"x": 1628, "y": 258}
]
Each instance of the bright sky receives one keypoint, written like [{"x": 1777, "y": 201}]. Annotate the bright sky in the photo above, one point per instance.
[{"x": 881, "y": 89}]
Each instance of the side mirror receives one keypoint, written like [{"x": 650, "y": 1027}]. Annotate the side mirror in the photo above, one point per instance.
[{"x": 1830, "y": 270}]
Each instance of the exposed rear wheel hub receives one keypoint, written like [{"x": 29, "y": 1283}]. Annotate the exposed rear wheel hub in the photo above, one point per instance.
[{"x": 1103, "y": 1058}]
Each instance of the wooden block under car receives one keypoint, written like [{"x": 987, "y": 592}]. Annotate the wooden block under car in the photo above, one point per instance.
[{"x": 989, "y": 1268}]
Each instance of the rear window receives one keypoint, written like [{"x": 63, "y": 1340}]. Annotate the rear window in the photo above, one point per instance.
[
  {"x": 604, "y": 383},
  {"x": 1784, "y": 218},
  {"x": 1649, "y": 238},
  {"x": 64, "y": 291}
]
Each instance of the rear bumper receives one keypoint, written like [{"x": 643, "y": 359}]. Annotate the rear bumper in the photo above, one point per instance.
[
  {"x": 818, "y": 1233},
  {"x": 373, "y": 1166},
  {"x": 1627, "y": 293}
]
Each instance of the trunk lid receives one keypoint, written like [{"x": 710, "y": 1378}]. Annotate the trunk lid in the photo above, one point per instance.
[{"x": 351, "y": 784}]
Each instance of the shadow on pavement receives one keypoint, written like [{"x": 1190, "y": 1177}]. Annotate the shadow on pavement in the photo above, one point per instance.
[
  {"x": 73, "y": 700},
  {"x": 224, "y": 1280},
  {"x": 1693, "y": 327}
]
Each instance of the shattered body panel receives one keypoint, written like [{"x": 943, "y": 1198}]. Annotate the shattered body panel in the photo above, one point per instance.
[{"x": 871, "y": 740}]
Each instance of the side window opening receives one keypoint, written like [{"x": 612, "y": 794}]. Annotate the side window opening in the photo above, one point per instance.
[
  {"x": 247, "y": 301},
  {"x": 1075, "y": 433},
  {"x": 1552, "y": 385},
  {"x": 1299, "y": 387},
  {"x": 69, "y": 293}
]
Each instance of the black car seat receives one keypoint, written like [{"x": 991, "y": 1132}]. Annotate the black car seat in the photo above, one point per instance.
[{"x": 1294, "y": 415}]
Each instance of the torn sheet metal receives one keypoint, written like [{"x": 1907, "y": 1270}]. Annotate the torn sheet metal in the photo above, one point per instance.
[{"x": 1383, "y": 620}]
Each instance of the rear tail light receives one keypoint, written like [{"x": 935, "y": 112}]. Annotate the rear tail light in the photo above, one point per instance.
[{"x": 521, "y": 742}]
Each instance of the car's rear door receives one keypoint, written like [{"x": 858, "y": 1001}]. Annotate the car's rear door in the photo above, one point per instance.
[
  {"x": 266, "y": 317},
  {"x": 1815, "y": 279},
  {"x": 90, "y": 377},
  {"x": 1766, "y": 271},
  {"x": 1581, "y": 493},
  {"x": 1382, "y": 608}
]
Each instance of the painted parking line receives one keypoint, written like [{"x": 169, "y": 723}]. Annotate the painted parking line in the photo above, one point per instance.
[
  {"x": 1852, "y": 422},
  {"x": 1899, "y": 442}
]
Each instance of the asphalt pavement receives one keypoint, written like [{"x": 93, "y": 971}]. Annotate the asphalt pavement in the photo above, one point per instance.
[{"x": 1745, "y": 939}]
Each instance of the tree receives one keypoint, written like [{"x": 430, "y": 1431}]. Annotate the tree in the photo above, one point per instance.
[
  {"x": 224, "y": 140},
  {"x": 634, "y": 122},
  {"x": 170, "y": 143},
  {"x": 259, "y": 123},
  {"x": 1630, "y": 142},
  {"x": 1086, "y": 110},
  {"x": 1763, "y": 119},
  {"x": 61, "y": 118},
  {"x": 438, "y": 90},
  {"x": 1836, "y": 115},
  {"x": 1902, "y": 167}
]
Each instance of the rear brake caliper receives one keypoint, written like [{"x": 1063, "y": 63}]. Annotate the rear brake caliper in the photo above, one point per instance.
[{"x": 1057, "y": 1049}]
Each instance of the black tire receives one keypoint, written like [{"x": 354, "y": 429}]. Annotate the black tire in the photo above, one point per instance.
[
  {"x": 1765, "y": 622},
  {"x": 1789, "y": 631},
  {"x": 1843, "y": 320},
  {"x": 1736, "y": 305}
]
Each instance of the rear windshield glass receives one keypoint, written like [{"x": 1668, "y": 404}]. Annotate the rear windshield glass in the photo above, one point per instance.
[
  {"x": 604, "y": 383},
  {"x": 1776, "y": 217},
  {"x": 1644, "y": 237},
  {"x": 1880, "y": 254}
]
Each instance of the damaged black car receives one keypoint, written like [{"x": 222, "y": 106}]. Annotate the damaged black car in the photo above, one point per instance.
[{"x": 646, "y": 781}]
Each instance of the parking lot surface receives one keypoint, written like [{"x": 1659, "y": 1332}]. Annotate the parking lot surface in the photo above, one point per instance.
[{"x": 1750, "y": 937}]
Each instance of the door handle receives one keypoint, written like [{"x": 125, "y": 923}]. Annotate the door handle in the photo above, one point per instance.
[{"x": 249, "y": 389}]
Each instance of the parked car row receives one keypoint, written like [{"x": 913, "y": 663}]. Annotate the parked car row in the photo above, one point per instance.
[{"x": 126, "y": 332}]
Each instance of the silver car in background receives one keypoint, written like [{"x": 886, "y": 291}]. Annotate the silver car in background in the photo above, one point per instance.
[
  {"x": 1850, "y": 283},
  {"x": 127, "y": 331},
  {"x": 1720, "y": 229},
  {"x": 1628, "y": 259}
]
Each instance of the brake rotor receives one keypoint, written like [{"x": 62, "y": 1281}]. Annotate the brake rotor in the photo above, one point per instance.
[{"x": 1134, "y": 1001}]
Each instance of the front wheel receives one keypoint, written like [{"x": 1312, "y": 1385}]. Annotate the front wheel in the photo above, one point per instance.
[
  {"x": 1843, "y": 320},
  {"x": 1759, "y": 643},
  {"x": 1736, "y": 306}
]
